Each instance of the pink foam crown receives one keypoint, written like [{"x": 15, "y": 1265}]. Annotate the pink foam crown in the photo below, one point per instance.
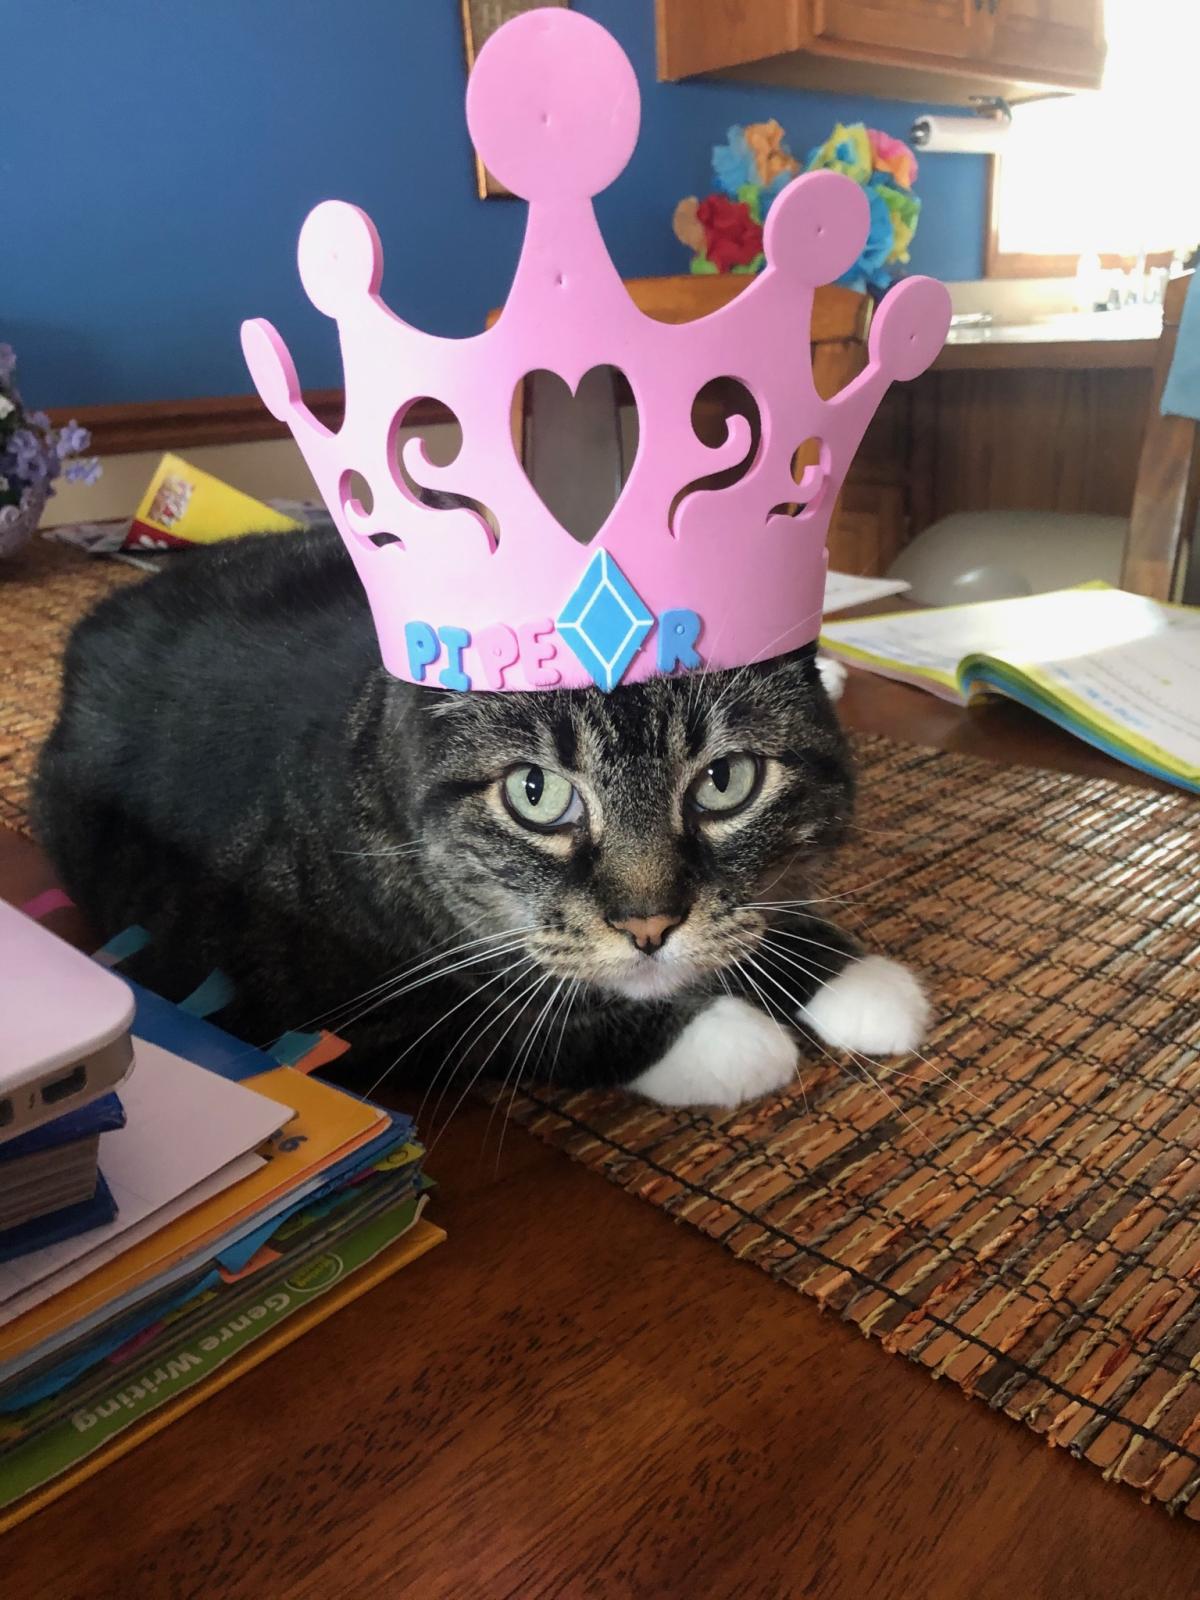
[{"x": 681, "y": 575}]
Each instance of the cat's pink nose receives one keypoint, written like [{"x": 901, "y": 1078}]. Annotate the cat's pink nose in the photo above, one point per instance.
[{"x": 648, "y": 933}]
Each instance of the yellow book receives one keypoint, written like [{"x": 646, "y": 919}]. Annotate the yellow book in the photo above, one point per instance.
[
  {"x": 183, "y": 506},
  {"x": 1118, "y": 670},
  {"x": 327, "y": 1126}
]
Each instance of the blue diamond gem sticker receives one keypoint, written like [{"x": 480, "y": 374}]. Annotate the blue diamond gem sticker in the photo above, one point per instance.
[{"x": 605, "y": 621}]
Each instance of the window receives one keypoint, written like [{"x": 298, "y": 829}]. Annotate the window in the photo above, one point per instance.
[{"x": 1111, "y": 173}]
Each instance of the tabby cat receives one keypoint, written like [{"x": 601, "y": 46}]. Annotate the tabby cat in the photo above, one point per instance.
[{"x": 560, "y": 884}]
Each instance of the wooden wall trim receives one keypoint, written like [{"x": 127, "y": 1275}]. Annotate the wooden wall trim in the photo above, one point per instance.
[{"x": 224, "y": 419}]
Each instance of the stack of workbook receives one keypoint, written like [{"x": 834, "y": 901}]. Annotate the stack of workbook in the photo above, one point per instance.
[
  {"x": 251, "y": 1200},
  {"x": 1118, "y": 670}
]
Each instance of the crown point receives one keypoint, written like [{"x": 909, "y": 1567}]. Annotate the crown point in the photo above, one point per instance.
[
  {"x": 910, "y": 327},
  {"x": 553, "y": 106},
  {"x": 340, "y": 256},
  {"x": 271, "y": 367},
  {"x": 816, "y": 228}
]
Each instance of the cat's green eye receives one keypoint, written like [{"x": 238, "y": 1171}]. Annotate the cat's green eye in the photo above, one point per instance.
[
  {"x": 540, "y": 798},
  {"x": 727, "y": 784}
]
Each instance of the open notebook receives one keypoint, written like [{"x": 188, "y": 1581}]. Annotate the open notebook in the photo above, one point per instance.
[{"x": 1118, "y": 670}]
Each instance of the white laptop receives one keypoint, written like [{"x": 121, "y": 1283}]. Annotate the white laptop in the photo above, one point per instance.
[{"x": 64, "y": 1026}]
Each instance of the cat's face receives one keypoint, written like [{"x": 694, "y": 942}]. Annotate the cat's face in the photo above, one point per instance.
[{"x": 631, "y": 835}]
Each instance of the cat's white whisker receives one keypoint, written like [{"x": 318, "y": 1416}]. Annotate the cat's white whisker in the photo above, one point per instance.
[
  {"x": 859, "y": 1060},
  {"x": 573, "y": 994},
  {"x": 440, "y": 953},
  {"x": 479, "y": 959},
  {"x": 940, "y": 1072},
  {"x": 403, "y": 970},
  {"x": 767, "y": 943},
  {"x": 796, "y": 1007},
  {"x": 471, "y": 994},
  {"x": 476, "y": 1027},
  {"x": 872, "y": 1082},
  {"x": 848, "y": 894},
  {"x": 524, "y": 1055},
  {"x": 736, "y": 677},
  {"x": 762, "y": 999},
  {"x": 784, "y": 869},
  {"x": 392, "y": 853},
  {"x": 523, "y": 1000}
]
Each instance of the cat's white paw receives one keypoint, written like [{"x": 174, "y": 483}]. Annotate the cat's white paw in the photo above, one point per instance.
[
  {"x": 833, "y": 675},
  {"x": 873, "y": 1005},
  {"x": 730, "y": 1052}
]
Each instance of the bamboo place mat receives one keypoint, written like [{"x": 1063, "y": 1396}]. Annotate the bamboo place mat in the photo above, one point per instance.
[
  {"x": 44, "y": 590},
  {"x": 1018, "y": 1213}
]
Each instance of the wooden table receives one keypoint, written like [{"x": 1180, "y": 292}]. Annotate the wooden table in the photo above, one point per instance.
[{"x": 575, "y": 1397}]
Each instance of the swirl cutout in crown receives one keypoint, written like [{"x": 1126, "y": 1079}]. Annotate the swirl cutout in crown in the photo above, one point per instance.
[{"x": 511, "y": 601}]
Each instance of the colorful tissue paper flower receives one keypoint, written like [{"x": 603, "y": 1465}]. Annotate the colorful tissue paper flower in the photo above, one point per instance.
[
  {"x": 846, "y": 150},
  {"x": 732, "y": 237},
  {"x": 893, "y": 156},
  {"x": 771, "y": 155},
  {"x": 733, "y": 163},
  {"x": 751, "y": 197},
  {"x": 905, "y": 209},
  {"x": 685, "y": 224},
  {"x": 754, "y": 165},
  {"x": 871, "y": 270}
]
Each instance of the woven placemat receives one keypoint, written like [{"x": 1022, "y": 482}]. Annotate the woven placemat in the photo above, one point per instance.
[
  {"x": 44, "y": 590},
  {"x": 1017, "y": 1212}
]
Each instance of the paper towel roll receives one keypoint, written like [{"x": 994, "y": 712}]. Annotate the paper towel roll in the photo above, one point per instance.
[{"x": 959, "y": 135}]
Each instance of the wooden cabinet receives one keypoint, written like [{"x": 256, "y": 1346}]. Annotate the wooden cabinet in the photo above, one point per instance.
[
  {"x": 1062, "y": 37},
  {"x": 903, "y": 49},
  {"x": 712, "y": 35},
  {"x": 947, "y": 28}
]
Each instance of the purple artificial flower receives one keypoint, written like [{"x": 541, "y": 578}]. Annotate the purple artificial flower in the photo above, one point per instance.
[
  {"x": 8, "y": 362},
  {"x": 39, "y": 420},
  {"x": 72, "y": 440},
  {"x": 83, "y": 469},
  {"x": 31, "y": 457}
]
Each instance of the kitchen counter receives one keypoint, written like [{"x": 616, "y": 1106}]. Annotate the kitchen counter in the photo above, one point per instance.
[{"x": 1071, "y": 339}]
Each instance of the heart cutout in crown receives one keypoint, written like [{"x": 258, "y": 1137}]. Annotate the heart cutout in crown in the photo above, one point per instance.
[{"x": 577, "y": 456}]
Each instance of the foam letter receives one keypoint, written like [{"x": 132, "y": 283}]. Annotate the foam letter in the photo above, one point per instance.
[
  {"x": 456, "y": 641},
  {"x": 496, "y": 648},
  {"x": 677, "y": 635},
  {"x": 535, "y": 654},
  {"x": 422, "y": 648}
]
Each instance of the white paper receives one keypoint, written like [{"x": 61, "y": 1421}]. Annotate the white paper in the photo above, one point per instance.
[
  {"x": 931, "y": 641},
  {"x": 843, "y": 591},
  {"x": 189, "y": 1134},
  {"x": 1150, "y": 687}
]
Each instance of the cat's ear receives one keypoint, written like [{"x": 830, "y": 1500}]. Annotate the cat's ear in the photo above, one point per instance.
[{"x": 832, "y": 675}]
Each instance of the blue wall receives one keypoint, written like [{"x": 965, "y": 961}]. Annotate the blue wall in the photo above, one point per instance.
[{"x": 159, "y": 156}]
